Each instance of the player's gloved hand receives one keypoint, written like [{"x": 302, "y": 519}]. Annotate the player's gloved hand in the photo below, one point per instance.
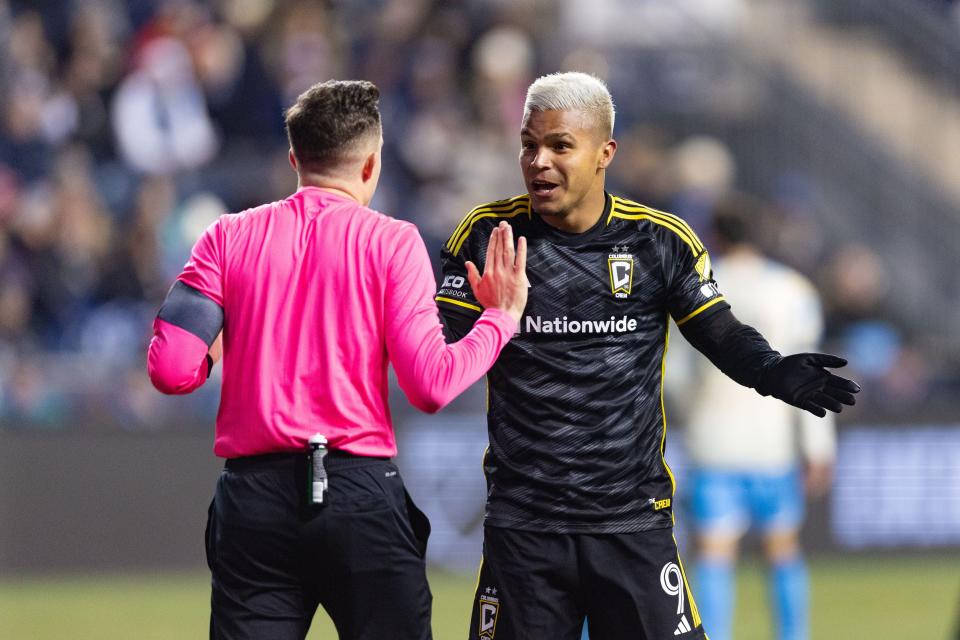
[{"x": 802, "y": 381}]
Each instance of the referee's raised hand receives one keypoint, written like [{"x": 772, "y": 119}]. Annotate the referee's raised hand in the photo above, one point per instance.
[{"x": 503, "y": 284}]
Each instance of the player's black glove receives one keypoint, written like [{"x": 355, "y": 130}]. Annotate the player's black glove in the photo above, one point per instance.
[{"x": 802, "y": 381}]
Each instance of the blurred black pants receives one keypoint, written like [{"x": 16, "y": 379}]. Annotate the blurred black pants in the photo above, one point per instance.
[{"x": 274, "y": 558}]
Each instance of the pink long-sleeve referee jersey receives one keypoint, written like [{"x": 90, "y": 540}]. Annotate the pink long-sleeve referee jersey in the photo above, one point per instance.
[{"x": 318, "y": 294}]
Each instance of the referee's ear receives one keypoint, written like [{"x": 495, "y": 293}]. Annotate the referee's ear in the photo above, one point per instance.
[
  {"x": 370, "y": 166},
  {"x": 370, "y": 176},
  {"x": 293, "y": 159}
]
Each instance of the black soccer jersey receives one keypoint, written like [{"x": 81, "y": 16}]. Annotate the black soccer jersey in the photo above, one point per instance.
[{"x": 575, "y": 411}]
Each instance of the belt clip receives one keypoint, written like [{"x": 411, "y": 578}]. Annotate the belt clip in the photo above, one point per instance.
[{"x": 317, "y": 481}]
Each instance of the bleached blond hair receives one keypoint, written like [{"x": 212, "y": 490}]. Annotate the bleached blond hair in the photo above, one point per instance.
[{"x": 572, "y": 91}]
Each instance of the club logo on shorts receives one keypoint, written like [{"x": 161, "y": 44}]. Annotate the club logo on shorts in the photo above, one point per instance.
[
  {"x": 620, "y": 266},
  {"x": 489, "y": 610}
]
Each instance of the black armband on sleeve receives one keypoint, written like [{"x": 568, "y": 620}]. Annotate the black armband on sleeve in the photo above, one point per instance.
[
  {"x": 187, "y": 308},
  {"x": 735, "y": 348}
]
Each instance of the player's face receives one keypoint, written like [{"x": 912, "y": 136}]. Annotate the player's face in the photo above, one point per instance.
[{"x": 562, "y": 156}]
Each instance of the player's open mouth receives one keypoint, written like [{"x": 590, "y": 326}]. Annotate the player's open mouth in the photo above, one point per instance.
[{"x": 542, "y": 188}]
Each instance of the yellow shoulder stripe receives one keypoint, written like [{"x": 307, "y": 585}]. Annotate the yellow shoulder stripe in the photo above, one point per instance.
[
  {"x": 520, "y": 205},
  {"x": 629, "y": 205},
  {"x": 497, "y": 205},
  {"x": 663, "y": 223},
  {"x": 460, "y": 303},
  {"x": 700, "y": 310},
  {"x": 676, "y": 224}
]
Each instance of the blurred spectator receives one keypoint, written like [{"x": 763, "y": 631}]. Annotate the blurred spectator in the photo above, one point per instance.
[
  {"x": 856, "y": 283},
  {"x": 688, "y": 21},
  {"x": 302, "y": 47},
  {"x": 705, "y": 171},
  {"x": 134, "y": 270},
  {"x": 159, "y": 112},
  {"x": 644, "y": 173},
  {"x": 856, "y": 288},
  {"x": 793, "y": 232},
  {"x": 27, "y": 82},
  {"x": 28, "y": 399},
  {"x": 93, "y": 68}
]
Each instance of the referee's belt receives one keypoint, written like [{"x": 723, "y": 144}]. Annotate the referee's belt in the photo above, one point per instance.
[{"x": 291, "y": 460}]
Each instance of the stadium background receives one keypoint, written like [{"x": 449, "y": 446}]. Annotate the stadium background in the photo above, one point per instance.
[{"x": 126, "y": 127}]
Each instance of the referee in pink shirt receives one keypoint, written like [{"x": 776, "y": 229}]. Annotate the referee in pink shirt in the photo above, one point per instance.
[{"x": 314, "y": 296}]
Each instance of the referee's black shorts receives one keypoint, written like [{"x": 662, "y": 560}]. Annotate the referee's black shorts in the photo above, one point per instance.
[
  {"x": 274, "y": 558},
  {"x": 539, "y": 586}
]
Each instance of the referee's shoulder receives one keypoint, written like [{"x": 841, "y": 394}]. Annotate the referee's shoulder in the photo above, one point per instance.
[
  {"x": 483, "y": 217},
  {"x": 238, "y": 222},
  {"x": 384, "y": 227},
  {"x": 251, "y": 214}
]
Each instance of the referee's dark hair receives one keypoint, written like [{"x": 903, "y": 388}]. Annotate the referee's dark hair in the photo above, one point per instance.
[{"x": 328, "y": 120}]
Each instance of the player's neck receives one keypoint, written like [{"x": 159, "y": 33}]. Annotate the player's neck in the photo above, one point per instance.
[{"x": 581, "y": 217}]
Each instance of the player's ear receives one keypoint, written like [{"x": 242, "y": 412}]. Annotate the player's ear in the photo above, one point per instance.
[
  {"x": 292, "y": 158},
  {"x": 607, "y": 152}
]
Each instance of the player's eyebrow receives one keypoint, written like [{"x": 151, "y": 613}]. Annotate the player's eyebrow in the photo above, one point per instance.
[{"x": 550, "y": 136}]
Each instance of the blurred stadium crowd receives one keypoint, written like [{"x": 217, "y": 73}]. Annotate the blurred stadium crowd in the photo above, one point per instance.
[{"x": 127, "y": 127}]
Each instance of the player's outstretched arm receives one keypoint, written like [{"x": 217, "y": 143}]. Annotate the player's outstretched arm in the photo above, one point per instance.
[
  {"x": 803, "y": 381},
  {"x": 743, "y": 354}
]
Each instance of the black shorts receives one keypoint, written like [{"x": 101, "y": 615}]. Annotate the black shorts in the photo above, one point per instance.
[
  {"x": 274, "y": 558},
  {"x": 540, "y": 586}
]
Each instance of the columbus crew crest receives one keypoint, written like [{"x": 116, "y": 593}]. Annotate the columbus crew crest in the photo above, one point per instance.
[
  {"x": 620, "y": 266},
  {"x": 489, "y": 610},
  {"x": 703, "y": 267}
]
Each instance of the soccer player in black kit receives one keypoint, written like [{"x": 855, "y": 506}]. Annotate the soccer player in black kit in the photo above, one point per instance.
[{"x": 579, "y": 519}]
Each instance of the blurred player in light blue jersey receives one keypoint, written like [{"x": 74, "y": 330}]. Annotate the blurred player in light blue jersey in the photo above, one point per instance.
[{"x": 752, "y": 458}]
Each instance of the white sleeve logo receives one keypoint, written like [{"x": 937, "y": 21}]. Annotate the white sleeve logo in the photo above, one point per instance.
[
  {"x": 453, "y": 282},
  {"x": 671, "y": 570}
]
